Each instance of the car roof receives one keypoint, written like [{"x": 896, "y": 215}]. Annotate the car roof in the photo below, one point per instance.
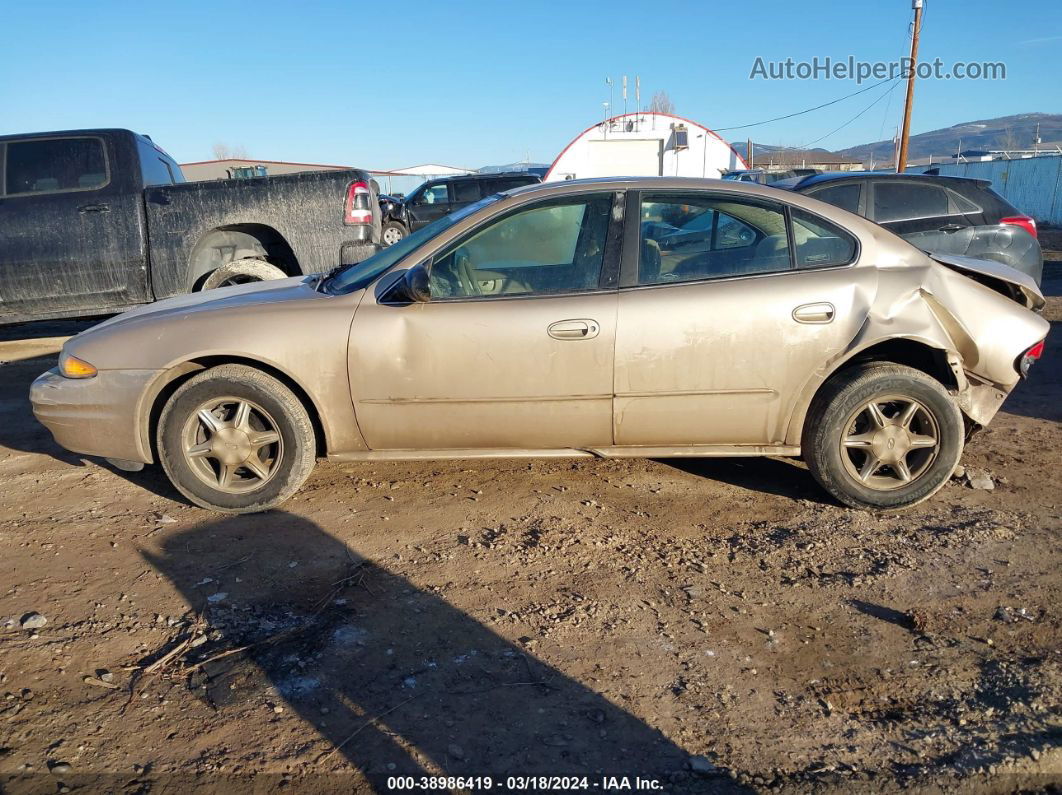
[
  {"x": 492, "y": 175},
  {"x": 801, "y": 183}
]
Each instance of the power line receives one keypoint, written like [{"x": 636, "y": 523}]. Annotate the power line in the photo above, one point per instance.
[
  {"x": 882, "y": 96},
  {"x": 809, "y": 110}
]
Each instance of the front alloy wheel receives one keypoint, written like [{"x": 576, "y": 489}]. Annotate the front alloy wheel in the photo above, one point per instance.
[{"x": 236, "y": 439}]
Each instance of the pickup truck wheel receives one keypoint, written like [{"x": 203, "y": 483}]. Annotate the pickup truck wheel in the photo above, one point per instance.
[
  {"x": 242, "y": 271},
  {"x": 392, "y": 233},
  {"x": 236, "y": 440},
  {"x": 883, "y": 437}
]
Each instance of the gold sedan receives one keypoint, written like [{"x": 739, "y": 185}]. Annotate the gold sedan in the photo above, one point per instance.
[{"x": 613, "y": 318}]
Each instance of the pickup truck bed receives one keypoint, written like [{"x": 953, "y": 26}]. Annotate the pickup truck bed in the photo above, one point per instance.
[{"x": 96, "y": 221}]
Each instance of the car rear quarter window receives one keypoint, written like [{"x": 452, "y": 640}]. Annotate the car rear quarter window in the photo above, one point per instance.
[
  {"x": 845, "y": 196},
  {"x": 501, "y": 185},
  {"x": 819, "y": 243},
  {"x": 690, "y": 237},
  {"x": 54, "y": 165},
  {"x": 153, "y": 166},
  {"x": 906, "y": 201}
]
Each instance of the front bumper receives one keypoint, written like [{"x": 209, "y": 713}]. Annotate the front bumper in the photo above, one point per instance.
[{"x": 94, "y": 416}]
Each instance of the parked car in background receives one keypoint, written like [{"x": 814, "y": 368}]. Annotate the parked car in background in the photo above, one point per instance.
[
  {"x": 437, "y": 197},
  {"x": 568, "y": 319},
  {"x": 96, "y": 221},
  {"x": 764, "y": 177},
  {"x": 941, "y": 215}
]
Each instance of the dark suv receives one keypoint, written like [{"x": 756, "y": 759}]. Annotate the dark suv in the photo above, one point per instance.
[
  {"x": 438, "y": 197},
  {"x": 940, "y": 215}
]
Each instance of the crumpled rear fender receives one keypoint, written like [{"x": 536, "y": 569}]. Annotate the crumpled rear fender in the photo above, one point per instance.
[{"x": 976, "y": 332}]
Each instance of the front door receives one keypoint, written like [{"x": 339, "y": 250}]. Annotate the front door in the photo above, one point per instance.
[
  {"x": 717, "y": 327},
  {"x": 515, "y": 347},
  {"x": 71, "y": 237},
  {"x": 428, "y": 203}
]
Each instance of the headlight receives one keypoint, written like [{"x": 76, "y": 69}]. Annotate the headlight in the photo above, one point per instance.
[{"x": 73, "y": 367}]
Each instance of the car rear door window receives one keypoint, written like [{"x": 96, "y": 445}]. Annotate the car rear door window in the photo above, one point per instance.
[
  {"x": 905, "y": 201},
  {"x": 819, "y": 243},
  {"x": 466, "y": 190},
  {"x": 553, "y": 247},
  {"x": 845, "y": 196},
  {"x": 54, "y": 165},
  {"x": 697, "y": 236}
]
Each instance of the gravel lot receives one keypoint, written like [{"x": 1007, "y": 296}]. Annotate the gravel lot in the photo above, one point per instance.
[{"x": 713, "y": 625}]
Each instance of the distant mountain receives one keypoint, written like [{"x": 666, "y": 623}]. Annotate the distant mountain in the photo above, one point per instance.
[
  {"x": 1004, "y": 132},
  {"x": 762, "y": 150}
]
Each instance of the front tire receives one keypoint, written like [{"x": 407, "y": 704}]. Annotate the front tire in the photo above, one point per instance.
[
  {"x": 242, "y": 271},
  {"x": 392, "y": 232},
  {"x": 883, "y": 437},
  {"x": 236, "y": 440}
]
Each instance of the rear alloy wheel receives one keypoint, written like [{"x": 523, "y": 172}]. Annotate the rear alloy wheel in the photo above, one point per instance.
[
  {"x": 235, "y": 439},
  {"x": 392, "y": 233},
  {"x": 883, "y": 436},
  {"x": 242, "y": 271}
]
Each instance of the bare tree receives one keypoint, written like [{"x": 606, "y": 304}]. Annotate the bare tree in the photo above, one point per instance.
[
  {"x": 223, "y": 151},
  {"x": 1009, "y": 140},
  {"x": 661, "y": 103}
]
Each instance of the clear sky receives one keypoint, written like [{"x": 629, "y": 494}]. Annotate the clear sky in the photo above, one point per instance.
[{"x": 387, "y": 84}]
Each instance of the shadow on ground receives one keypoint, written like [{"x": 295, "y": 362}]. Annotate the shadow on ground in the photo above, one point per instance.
[{"x": 393, "y": 679}]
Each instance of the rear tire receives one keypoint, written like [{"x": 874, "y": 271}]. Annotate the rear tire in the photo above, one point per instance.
[
  {"x": 242, "y": 271},
  {"x": 392, "y": 232},
  {"x": 883, "y": 437},
  {"x": 236, "y": 440}
]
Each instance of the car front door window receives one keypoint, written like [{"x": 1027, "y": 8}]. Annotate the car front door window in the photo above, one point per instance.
[{"x": 554, "y": 248}]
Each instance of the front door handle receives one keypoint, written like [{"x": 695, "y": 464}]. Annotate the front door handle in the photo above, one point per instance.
[
  {"x": 94, "y": 208},
  {"x": 581, "y": 329},
  {"x": 821, "y": 312}
]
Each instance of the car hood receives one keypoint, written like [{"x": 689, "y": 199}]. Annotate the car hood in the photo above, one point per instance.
[
  {"x": 1020, "y": 286},
  {"x": 241, "y": 295}
]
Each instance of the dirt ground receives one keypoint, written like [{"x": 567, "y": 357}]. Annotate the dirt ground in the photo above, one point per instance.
[{"x": 713, "y": 625}]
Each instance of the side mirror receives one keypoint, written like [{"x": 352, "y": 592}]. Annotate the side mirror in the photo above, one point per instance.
[{"x": 412, "y": 288}]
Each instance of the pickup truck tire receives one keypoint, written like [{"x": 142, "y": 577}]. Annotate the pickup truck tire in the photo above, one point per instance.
[
  {"x": 392, "y": 232},
  {"x": 242, "y": 271},
  {"x": 236, "y": 440}
]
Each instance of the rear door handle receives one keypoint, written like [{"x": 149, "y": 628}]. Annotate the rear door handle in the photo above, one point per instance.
[
  {"x": 821, "y": 312},
  {"x": 94, "y": 208},
  {"x": 581, "y": 329},
  {"x": 951, "y": 228}
]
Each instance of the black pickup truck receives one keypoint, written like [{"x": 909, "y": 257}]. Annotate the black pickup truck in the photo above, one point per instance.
[{"x": 93, "y": 222}]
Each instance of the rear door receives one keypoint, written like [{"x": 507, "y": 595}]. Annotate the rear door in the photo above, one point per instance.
[
  {"x": 716, "y": 335},
  {"x": 71, "y": 233},
  {"x": 925, "y": 214},
  {"x": 428, "y": 203}
]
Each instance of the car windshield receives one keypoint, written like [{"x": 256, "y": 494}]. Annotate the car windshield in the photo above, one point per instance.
[{"x": 356, "y": 277}]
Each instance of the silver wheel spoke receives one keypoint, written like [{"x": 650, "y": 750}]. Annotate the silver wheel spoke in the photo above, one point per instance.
[
  {"x": 870, "y": 466},
  {"x": 200, "y": 450},
  {"x": 879, "y": 419},
  {"x": 262, "y": 438},
  {"x": 922, "y": 441},
  {"x": 255, "y": 465},
  {"x": 242, "y": 415},
  {"x": 212, "y": 423},
  {"x": 859, "y": 440},
  {"x": 901, "y": 470},
  {"x": 908, "y": 415},
  {"x": 226, "y": 475}
]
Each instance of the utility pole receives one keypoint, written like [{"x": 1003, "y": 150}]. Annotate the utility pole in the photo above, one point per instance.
[{"x": 901, "y": 158}]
